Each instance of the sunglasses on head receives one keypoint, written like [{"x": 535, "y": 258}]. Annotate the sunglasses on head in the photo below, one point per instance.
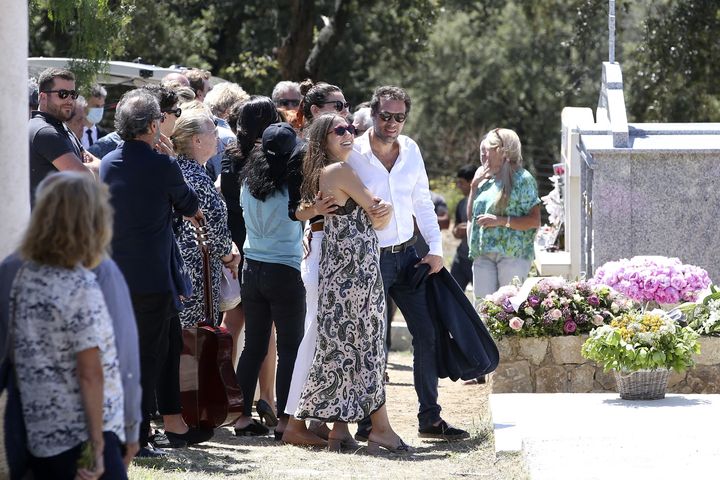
[
  {"x": 341, "y": 129},
  {"x": 177, "y": 112},
  {"x": 497, "y": 133},
  {"x": 63, "y": 94},
  {"x": 339, "y": 106},
  {"x": 287, "y": 102},
  {"x": 386, "y": 116}
]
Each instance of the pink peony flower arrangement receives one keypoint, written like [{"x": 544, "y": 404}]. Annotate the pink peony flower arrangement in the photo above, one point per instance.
[
  {"x": 662, "y": 280},
  {"x": 551, "y": 306}
]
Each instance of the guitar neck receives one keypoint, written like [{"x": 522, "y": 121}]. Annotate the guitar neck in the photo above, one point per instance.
[{"x": 207, "y": 277}]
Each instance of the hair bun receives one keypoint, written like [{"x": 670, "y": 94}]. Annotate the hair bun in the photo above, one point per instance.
[{"x": 305, "y": 86}]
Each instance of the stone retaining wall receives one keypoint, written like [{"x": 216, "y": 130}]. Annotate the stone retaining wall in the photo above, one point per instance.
[{"x": 554, "y": 365}]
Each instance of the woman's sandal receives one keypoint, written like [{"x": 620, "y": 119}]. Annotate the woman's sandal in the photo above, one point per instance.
[
  {"x": 266, "y": 413},
  {"x": 339, "y": 444},
  {"x": 373, "y": 448}
]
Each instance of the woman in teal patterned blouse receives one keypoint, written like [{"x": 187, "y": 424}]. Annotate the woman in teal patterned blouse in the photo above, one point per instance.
[{"x": 505, "y": 212}]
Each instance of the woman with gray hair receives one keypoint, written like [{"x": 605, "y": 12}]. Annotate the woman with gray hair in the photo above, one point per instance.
[
  {"x": 503, "y": 214},
  {"x": 195, "y": 141}
]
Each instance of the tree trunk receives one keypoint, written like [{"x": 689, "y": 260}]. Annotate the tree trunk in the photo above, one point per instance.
[
  {"x": 296, "y": 46},
  {"x": 328, "y": 37}
]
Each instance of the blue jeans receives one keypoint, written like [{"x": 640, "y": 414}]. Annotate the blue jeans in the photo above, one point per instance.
[
  {"x": 413, "y": 305},
  {"x": 492, "y": 271}
]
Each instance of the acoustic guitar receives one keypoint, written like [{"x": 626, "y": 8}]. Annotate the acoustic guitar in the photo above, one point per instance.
[{"x": 209, "y": 392}]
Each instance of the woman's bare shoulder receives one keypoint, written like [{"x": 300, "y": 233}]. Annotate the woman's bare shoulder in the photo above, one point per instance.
[{"x": 338, "y": 170}]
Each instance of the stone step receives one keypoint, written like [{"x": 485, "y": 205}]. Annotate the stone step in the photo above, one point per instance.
[
  {"x": 589, "y": 436},
  {"x": 400, "y": 335}
]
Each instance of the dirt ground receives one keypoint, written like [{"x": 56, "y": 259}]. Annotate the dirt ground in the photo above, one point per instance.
[{"x": 227, "y": 456}]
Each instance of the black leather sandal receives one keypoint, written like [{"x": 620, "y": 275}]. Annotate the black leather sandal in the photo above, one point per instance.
[{"x": 254, "y": 429}]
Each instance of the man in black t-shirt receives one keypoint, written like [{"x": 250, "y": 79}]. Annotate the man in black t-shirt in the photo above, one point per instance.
[{"x": 52, "y": 146}]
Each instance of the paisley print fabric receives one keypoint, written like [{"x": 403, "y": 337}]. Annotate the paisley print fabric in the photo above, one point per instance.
[
  {"x": 59, "y": 312},
  {"x": 345, "y": 382},
  {"x": 215, "y": 211}
]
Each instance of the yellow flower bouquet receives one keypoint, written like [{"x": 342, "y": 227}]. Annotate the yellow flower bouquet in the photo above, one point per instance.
[
  {"x": 642, "y": 348},
  {"x": 642, "y": 341}
]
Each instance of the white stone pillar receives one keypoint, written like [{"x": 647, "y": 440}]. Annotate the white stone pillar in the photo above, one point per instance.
[{"x": 14, "y": 169}]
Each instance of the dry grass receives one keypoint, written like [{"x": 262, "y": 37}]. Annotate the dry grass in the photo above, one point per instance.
[
  {"x": 467, "y": 407},
  {"x": 228, "y": 456}
]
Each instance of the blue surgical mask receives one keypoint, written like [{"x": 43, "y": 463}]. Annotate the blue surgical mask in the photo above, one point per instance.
[{"x": 95, "y": 115}]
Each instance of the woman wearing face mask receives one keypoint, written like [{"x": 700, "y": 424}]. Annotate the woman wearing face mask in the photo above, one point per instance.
[
  {"x": 345, "y": 382},
  {"x": 503, "y": 214},
  {"x": 317, "y": 99}
]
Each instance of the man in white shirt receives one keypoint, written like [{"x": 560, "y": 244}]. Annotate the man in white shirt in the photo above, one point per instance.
[
  {"x": 392, "y": 168},
  {"x": 94, "y": 112}
]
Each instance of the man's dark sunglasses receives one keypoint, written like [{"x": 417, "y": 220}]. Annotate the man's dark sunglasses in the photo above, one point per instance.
[
  {"x": 286, "y": 102},
  {"x": 386, "y": 116},
  {"x": 63, "y": 94},
  {"x": 339, "y": 106},
  {"x": 341, "y": 129},
  {"x": 177, "y": 112}
]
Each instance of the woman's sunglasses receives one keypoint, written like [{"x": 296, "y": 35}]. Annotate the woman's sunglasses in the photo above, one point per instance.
[
  {"x": 63, "y": 94},
  {"x": 386, "y": 116},
  {"x": 341, "y": 129},
  {"x": 287, "y": 103},
  {"x": 177, "y": 112},
  {"x": 339, "y": 106}
]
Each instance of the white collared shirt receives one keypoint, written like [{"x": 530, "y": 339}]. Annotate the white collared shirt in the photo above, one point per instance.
[
  {"x": 405, "y": 186},
  {"x": 84, "y": 139}
]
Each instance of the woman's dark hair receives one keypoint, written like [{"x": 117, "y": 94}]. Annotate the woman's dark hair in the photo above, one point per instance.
[
  {"x": 165, "y": 97},
  {"x": 260, "y": 179},
  {"x": 314, "y": 94},
  {"x": 467, "y": 172},
  {"x": 316, "y": 157},
  {"x": 253, "y": 117}
]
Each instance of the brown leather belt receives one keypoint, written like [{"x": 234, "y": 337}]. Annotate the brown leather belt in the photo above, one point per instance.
[
  {"x": 400, "y": 247},
  {"x": 317, "y": 226}
]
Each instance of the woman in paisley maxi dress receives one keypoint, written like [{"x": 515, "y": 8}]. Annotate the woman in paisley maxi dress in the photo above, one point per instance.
[{"x": 345, "y": 383}]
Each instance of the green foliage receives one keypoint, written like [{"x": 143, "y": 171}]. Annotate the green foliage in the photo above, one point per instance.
[
  {"x": 512, "y": 64},
  {"x": 89, "y": 30},
  {"x": 469, "y": 66},
  {"x": 642, "y": 341},
  {"x": 673, "y": 73},
  {"x": 704, "y": 316}
]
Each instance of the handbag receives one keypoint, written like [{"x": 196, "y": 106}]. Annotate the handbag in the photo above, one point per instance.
[
  {"x": 229, "y": 290},
  {"x": 14, "y": 456}
]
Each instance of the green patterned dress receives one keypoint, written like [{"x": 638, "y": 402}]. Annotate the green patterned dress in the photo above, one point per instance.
[{"x": 505, "y": 241}]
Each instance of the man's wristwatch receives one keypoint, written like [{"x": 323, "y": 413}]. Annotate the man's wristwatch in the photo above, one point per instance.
[{"x": 507, "y": 224}]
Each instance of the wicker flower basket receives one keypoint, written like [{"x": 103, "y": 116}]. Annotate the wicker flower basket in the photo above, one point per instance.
[{"x": 642, "y": 384}]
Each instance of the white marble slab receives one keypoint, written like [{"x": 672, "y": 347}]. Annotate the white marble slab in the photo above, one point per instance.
[{"x": 586, "y": 436}]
